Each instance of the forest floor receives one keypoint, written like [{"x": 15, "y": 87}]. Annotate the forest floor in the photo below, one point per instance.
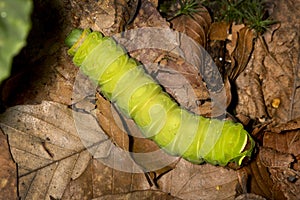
[{"x": 61, "y": 139}]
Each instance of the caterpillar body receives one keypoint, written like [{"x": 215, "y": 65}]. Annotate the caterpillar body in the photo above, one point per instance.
[{"x": 179, "y": 132}]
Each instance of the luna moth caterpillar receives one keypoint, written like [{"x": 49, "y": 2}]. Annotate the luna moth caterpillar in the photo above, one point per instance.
[{"x": 176, "y": 130}]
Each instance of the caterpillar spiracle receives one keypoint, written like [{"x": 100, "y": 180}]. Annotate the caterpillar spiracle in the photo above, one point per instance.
[{"x": 177, "y": 131}]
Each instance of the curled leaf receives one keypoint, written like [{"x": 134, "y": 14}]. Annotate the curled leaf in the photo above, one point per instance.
[
  {"x": 194, "y": 24},
  {"x": 242, "y": 51}
]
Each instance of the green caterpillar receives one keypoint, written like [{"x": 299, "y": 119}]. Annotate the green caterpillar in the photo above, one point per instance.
[{"x": 179, "y": 132}]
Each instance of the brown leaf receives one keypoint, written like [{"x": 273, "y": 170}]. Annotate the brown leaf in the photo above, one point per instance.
[
  {"x": 81, "y": 187},
  {"x": 249, "y": 196},
  {"x": 111, "y": 123},
  {"x": 275, "y": 159},
  {"x": 137, "y": 195},
  {"x": 234, "y": 37},
  {"x": 148, "y": 16},
  {"x": 249, "y": 85},
  {"x": 276, "y": 168},
  {"x": 275, "y": 63},
  {"x": 45, "y": 145},
  {"x": 288, "y": 142},
  {"x": 106, "y": 16},
  {"x": 242, "y": 51},
  {"x": 219, "y": 31},
  {"x": 99, "y": 181},
  {"x": 257, "y": 93},
  {"x": 269, "y": 78},
  {"x": 8, "y": 171},
  {"x": 295, "y": 103},
  {"x": 289, "y": 126},
  {"x": 260, "y": 182},
  {"x": 281, "y": 172},
  {"x": 184, "y": 83},
  {"x": 188, "y": 181},
  {"x": 195, "y": 25}
]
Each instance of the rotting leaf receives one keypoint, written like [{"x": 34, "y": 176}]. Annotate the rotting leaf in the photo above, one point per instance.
[{"x": 8, "y": 170}]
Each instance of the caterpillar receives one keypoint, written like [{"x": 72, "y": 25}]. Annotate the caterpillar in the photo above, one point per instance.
[{"x": 177, "y": 131}]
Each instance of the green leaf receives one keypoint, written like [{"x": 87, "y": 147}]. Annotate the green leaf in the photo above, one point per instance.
[{"x": 14, "y": 26}]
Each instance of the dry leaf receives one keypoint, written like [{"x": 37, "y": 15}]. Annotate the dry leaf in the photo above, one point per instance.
[
  {"x": 99, "y": 180},
  {"x": 295, "y": 102},
  {"x": 273, "y": 75},
  {"x": 137, "y": 195},
  {"x": 288, "y": 142},
  {"x": 8, "y": 171},
  {"x": 275, "y": 65},
  {"x": 195, "y": 25},
  {"x": 280, "y": 167},
  {"x": 234, "y": 37},
  {"x": 188, "y": 181},
  {"x": 219, "y": 31},
  {"x": 289, "y": 126},
  {"x": 250, "y": 92},
  {"x": 249, "y": 196},
  {"x": 241, "y": 53},
  {"x": 148, "y": 16},
  {"x": 111, "y": 123},
  {"x": 107, "y": 16},
  {"x": 276, "y": 168},
  {"x": 260, "y": 182},
  {"x": 92, "y": 179},
  {"x": 46, "y": 147}
]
